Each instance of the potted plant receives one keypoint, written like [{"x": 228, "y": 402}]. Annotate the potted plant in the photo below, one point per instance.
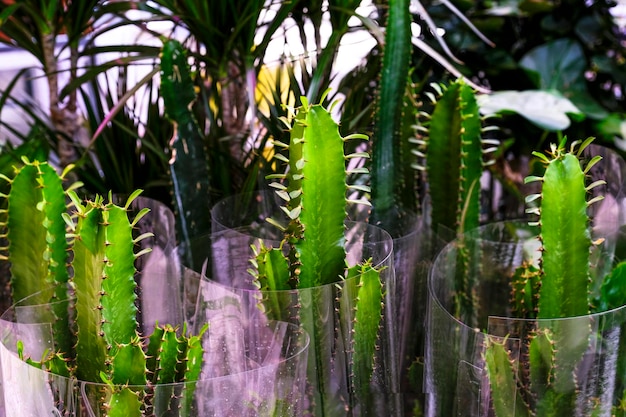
[
  {"x": 546, "y": 341},
  {"x": 312, "y": 265},
  {"x": 88, "y": 319}
]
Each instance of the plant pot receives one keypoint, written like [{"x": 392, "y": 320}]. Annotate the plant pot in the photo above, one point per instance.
[
  {"x": 590, "y": 347},
  {"x": 327, "y": 312},
  {"x": 411, "y": 263},
  {"x": 266, "y": 379},
  {"x": 160, "y": 269},
  {"x": 240, "y": 221},
  {"x": 237, "y": 222}
]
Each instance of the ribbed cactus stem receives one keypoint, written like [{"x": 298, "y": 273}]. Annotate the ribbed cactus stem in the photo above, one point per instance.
[
  {"x": 37, "y": 246},
  {"x": 454, "y": 157},
  {"x": 559, "y": 289},
  {"x": 104, "y": 282}
]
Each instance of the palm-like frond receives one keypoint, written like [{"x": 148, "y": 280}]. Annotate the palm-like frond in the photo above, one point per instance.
[{"x": 120, "y": 158}]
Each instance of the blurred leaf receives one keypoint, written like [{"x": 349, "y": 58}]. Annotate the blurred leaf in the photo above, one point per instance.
[
  {"x": 557, "y": 65},
  {"x": 92, "y": 72},
  {"x": 613, "y": 290},
  {"x": 536, "y": 6},
  {"x": 589, "y": 30},
  {"x": 613, "y": 128},
  {"x": 586, "y": 104},
  {"x": 560, "y": 65},
  {"x": 616, "y": 69},
  {"x": 548, "y": 110}
]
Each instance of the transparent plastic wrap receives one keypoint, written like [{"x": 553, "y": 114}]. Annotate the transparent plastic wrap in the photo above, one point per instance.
[
  {"x": 328, "y": 312},
  {"x": 586, "y": 354},
  {"x": 259, "y": 370}
]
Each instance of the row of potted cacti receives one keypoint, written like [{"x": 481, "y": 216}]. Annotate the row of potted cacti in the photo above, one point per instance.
[
  {"x": 303, "y": 272},
  {"x": 78, "y": 322}
]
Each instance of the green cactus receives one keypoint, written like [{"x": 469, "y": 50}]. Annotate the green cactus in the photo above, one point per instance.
[
  {"x": 506, "y": 399},
  {"x": 559, "y": 288},
  {"x": 525, "y": 285},
  {"x": 177, "y": 359},
  {"x": 387, "y": 144},
  {"x": 565, "y": 235},
  {"x": 38, "y": 249},
  {"x": 453, "y": 155},
  {"x": 314, "y": 189},
  {"x": 104, "y": 283},
  {"x": 189, "y": 163},
  {"x": 366, "y": 321},
  {"x": 100, "y": 340}
]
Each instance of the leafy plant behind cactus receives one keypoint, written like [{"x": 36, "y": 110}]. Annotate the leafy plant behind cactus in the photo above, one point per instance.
[
  {"x": 313, "y": 252},
  {"x": 558, "y": 287},
  {"x": 107, "y": 345}
]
